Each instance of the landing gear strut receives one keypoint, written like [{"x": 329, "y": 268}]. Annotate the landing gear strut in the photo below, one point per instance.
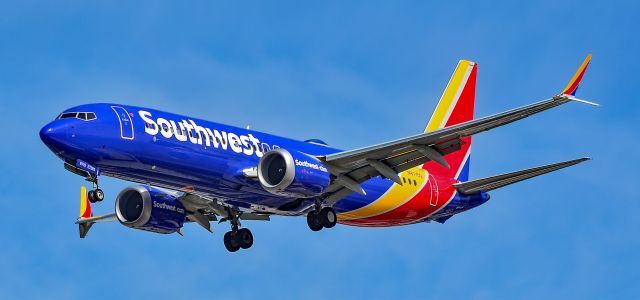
[
  {"x": 237, "y": 238},
  {"x": 321, "y": 217},
  {"x": 95, "y": 195}
]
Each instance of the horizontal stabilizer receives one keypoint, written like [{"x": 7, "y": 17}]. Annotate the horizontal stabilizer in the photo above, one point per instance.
[{"x": 494, "y": 182}]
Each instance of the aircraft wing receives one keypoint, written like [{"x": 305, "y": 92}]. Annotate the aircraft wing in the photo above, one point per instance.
[
  {"x": 97, "y": 219},
  {"x": 353, "y": 167},
  {"x": 84, "y": 224},
  {"x": 498, "y": 181}
]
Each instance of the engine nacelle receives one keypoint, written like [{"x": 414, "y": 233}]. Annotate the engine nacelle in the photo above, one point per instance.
[
  {"x": 292, "y": 174},
  {"x": 147, "y": 208}
]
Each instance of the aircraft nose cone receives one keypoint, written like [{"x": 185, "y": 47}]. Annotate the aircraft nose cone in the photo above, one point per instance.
[{"x": 52, "y": 133}]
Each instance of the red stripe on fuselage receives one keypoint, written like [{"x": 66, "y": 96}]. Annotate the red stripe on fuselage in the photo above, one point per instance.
[{"x": 414, "y": 210}]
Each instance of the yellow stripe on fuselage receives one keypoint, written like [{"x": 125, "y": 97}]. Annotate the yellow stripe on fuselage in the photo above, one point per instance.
[
  {"x": 456, "y": 83},
  {"x": 393, "y": 198}
]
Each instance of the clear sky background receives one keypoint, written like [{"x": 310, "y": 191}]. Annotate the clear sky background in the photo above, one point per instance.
[{"x": 352, "y": 75}]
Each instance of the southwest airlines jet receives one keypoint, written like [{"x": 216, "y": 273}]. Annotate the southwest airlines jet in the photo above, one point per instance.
[{"x": 195, "y": 171}]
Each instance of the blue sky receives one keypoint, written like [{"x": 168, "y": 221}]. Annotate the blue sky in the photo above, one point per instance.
[{"x": 352, "y": 74}]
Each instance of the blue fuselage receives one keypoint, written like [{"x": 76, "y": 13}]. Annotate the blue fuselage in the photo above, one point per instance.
[{"x": 173, "y": 151}]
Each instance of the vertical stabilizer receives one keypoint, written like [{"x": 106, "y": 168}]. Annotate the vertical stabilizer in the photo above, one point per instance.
[{"x": 456, "y": 106}]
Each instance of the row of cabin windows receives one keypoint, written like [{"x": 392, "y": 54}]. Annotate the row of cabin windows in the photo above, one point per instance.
[
  {"x": 409, "y": 181},
  {"x": 87, "y": 116}
]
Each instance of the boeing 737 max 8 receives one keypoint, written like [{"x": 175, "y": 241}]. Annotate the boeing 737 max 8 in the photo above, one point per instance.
[{"x": 192, "y": 170}]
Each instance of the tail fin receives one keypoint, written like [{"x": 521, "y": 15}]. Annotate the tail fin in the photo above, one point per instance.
[
  {"x": 85, "y": 205},
  {"x": 456, "y": 106},
  {"x": 572, "y": 87}
]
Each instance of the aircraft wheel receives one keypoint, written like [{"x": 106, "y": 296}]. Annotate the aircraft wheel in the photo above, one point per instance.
[
  {"x": 99, "y": 195},
  {"x": 327, "y": 217},
  {"x": 231, "y": 242},
  {"x": 92, "y": 196},
  {"x": 245, "y": 238},
  {"x": 313, "y": 221}
]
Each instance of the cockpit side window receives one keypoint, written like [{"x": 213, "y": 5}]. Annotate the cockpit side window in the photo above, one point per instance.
[{"x": 68, "y": 115}]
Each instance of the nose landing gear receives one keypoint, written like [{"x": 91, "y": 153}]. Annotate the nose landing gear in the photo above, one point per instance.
[{"x": 95, "y": 195}]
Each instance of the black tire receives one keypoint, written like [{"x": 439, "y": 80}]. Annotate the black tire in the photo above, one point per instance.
[
  {"x": 99, "y": 195},
  {"x": 245, "y": 238},
  {"x": 231, "y": 242},
  {"x": 327, "y": 217},
  {"x": 92, "y": 196},
  {"x": 313, "y": 222}
]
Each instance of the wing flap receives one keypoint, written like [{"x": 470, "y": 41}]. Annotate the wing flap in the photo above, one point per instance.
[{"x": 498, "y": 181}]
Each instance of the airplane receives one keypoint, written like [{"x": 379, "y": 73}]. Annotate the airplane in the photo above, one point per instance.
[{"x": 196, "y": 171}]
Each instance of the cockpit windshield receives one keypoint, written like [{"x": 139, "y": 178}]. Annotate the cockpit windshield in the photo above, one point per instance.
[{"x": 86, "y": 116}]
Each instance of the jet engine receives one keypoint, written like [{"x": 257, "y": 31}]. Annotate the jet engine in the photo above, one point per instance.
[
  {"x": 147, "y": 208},
  {"x": 292, "y": 174}
]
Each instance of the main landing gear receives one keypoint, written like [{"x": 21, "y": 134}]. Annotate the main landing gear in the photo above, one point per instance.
[
  {"x": 321, "y": 217},
  {"x": 95, "y": 195},
  {"x": 237, "y": 238}
]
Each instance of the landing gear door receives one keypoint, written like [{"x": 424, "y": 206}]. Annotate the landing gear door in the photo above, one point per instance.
[{"x": 126, "y": 124}]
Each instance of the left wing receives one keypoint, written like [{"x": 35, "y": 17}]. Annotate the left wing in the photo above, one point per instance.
[{"x": 193, "y": 202}]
